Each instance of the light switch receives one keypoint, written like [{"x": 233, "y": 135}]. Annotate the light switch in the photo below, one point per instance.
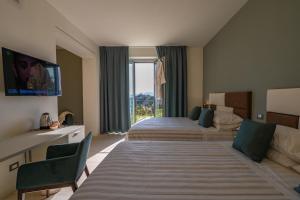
[{"x": 260, "y": 116}]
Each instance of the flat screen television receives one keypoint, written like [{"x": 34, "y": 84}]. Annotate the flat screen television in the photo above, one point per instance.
[{"x": 28, "y": 76}]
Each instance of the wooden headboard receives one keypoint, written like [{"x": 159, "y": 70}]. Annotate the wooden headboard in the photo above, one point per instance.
[
  {"x": 283, "y": 107},
  {"x": 241, "y": 102},
  {"x": 283, "y": 119}
]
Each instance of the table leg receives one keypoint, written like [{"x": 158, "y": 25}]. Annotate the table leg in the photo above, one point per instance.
[
  {"x": 25, "y": 157},
  {"x": 29, "y": 156}
]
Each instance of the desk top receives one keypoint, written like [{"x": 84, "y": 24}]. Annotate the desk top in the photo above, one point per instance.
[{"x": 23, "y": 142}]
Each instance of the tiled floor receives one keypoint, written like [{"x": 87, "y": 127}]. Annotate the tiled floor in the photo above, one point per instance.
[{"x": 100, "y": 147}]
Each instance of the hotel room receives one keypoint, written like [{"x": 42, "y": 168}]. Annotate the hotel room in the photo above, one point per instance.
[{"x": 149, "y": 99}]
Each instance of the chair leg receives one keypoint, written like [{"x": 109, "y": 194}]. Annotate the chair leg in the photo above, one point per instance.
[
  {"x": 86, "y": 171},
  {"x": 74, "y": 186},
  {"x": 21, "y": 195},
  {"x": 47, "y": 193}
]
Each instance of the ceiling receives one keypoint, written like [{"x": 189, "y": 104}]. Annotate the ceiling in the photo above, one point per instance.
[{"x": 149, "y": 22}]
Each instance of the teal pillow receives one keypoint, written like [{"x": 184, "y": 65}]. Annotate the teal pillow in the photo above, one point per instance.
[
  {"x": 194, "y": 115},
  {"x": 254, "y": 138},
  {"x": 206, "y": 117}
]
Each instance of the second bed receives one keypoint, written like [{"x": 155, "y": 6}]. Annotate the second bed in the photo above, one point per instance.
[
  {"x": 176, "y": 128},
  {"x": 179, "y": 128}
]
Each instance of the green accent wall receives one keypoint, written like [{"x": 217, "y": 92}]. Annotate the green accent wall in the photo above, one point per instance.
[{"x": 258, "y": 49}]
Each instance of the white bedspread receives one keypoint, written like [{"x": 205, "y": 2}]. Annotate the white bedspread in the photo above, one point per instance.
[
  {"x": 175, "y": 128},
  {"x": 181, "y": 170}
]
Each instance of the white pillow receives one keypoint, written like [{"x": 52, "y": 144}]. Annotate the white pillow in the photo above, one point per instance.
[
  {"x": 287, "y": 141},
  {"x": 224, "y": 109},
  {"x": 226, "y": 127},
  {"x": 221, "y": 117},
  {"x": 217, "y": 99},
  {"x": 281, "y": 158}
]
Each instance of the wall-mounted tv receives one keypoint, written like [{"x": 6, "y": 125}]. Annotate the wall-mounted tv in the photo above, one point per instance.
[{"x": 28, "y": 76}]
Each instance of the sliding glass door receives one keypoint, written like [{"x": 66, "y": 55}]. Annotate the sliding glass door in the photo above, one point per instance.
[{"x": 143, "y": 103}]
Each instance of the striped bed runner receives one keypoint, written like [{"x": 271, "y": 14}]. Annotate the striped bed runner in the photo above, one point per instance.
[
  {"x": 176, "y": 129},
  {"x": 171, "y": 136},
  {"x": 159, "y": 170}
]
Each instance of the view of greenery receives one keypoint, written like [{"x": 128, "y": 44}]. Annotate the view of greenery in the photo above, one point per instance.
[{"x": 145, "y": 107}]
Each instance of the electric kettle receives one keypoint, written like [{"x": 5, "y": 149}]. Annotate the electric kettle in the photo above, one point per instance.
[{"x": 45, "y": 121}]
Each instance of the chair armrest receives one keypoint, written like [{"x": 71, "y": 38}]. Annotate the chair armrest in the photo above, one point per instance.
[
  {"x": 56, "y": 151},
  {"x": 47, "y": 172}
]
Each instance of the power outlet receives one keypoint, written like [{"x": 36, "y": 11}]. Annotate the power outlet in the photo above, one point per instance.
[
  {"x": 14, "y": 166},
  {"x": 260, "y": 116}
]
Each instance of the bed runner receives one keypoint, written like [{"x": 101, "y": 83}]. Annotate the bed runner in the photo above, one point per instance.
[
  {"x": 158, "y": 170},
  {"x": 176, "y": 129}
]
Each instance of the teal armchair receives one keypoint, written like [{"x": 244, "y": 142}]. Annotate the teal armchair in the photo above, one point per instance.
[{"x": 63, "y": 167}]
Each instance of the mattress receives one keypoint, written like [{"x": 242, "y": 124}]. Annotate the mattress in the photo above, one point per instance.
[
  {"x": 175, "y": 128},
  {"x": 185, "y": 170}
]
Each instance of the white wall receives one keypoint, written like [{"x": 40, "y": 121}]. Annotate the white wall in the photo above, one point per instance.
[
  {"x": 91, "y": 96},
  {"x": 142, "y": 52},
  {"x": 31, "y": 27},
  {"x": 194, "y": 76},
  {"x": 23, "y": 29}
]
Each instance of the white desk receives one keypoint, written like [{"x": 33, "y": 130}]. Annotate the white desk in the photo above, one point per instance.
[{"x": 24, "y": 143}]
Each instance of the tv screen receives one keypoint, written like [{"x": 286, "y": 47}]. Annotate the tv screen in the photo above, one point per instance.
[{"x": 28, "y": 76}]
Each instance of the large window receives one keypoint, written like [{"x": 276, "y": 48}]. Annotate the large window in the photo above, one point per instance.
[{"x": 143, "y": 103}]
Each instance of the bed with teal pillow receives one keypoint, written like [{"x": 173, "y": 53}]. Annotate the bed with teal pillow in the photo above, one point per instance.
[
  {"x": 206, "y": 117},
  {"x": 195, "y": 113},
  {"x": 254, "y": 138}
]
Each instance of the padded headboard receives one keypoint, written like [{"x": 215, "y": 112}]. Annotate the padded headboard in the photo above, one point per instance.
[
  {"x": 241, "y": 102},
  {"x": 283, "y": 107}
]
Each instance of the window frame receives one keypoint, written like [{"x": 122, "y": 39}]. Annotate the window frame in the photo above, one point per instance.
[{"x": 133, "y": 62}]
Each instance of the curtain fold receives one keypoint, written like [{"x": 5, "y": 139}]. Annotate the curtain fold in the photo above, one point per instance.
[
  {"x": 114, "y": 89},
  {"x": 175, "y": 59}
]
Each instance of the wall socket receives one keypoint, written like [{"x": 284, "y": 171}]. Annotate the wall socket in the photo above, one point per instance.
[
  {"x": 14, "y": 166},
  {"x": 260, "y": 116}
]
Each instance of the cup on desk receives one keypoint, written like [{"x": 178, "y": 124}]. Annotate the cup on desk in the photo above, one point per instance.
[{"x": 55, "y": 125}]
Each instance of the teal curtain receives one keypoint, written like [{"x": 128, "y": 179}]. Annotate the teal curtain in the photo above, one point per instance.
[
  {"x": 176, "y": 76},
  {"x": 114, "y": 89}
]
